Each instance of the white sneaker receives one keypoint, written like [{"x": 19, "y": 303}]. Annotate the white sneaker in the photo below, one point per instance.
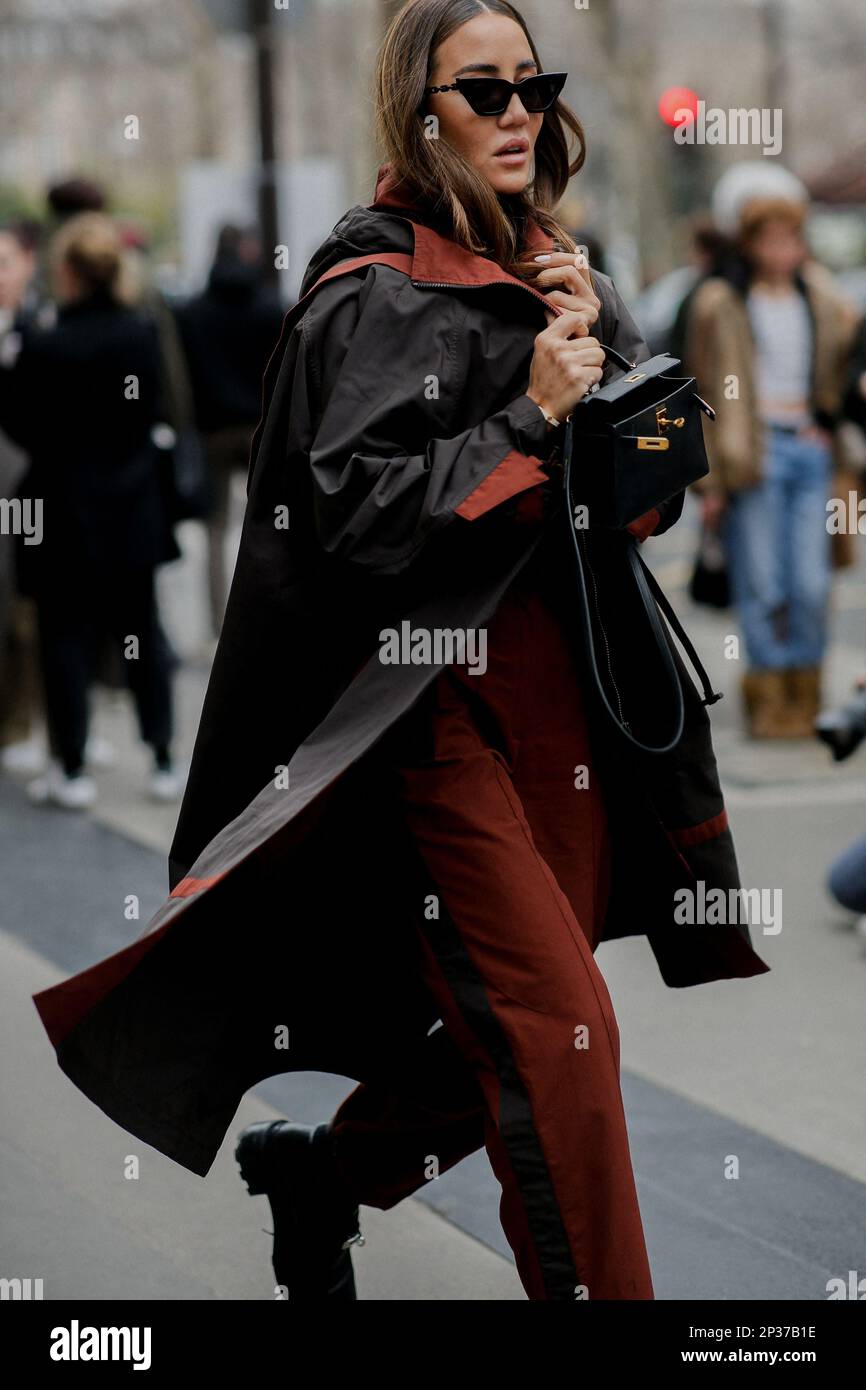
[
  {"x": 167, "y": 784},
  {"x": 58, "y": 789},
  {"x": 98, "y": 752},
  {"x": 24, "y": 758}
]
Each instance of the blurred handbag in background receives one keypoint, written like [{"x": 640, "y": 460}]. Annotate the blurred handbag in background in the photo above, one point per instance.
[
  {"x": 709, "y": 580},
  {"x": 183, "y": 472}
]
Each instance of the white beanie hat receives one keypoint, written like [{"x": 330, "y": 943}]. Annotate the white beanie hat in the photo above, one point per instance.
[{"x": 750, "y": 180}]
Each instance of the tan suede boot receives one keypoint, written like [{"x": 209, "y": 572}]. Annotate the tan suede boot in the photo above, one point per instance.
[
  {"x": 765, "y": 702},
  {"x": 750, "y": 687},
  {"x": 803, "y": 691}
]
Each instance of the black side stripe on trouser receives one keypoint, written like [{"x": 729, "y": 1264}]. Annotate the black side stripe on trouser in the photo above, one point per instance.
[{"x": 515, "y": 1117}]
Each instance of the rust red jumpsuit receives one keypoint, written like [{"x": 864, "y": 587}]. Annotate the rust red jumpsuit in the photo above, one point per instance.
[{"x": 510, "y": 890}]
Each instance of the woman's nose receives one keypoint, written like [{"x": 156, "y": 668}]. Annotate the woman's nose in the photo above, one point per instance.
[{"x": 517, "y": 111}]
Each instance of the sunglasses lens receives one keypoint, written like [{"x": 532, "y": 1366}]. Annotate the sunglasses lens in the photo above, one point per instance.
[
  {"x": 486, "y": 95},
  {"x": 541, "y": 91}
]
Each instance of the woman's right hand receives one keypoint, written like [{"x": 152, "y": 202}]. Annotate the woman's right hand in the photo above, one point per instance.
[{"x": 564, "y": 366}]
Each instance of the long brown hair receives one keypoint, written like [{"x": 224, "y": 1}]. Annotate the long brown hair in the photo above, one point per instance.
[{"x": 435, "y": 175}]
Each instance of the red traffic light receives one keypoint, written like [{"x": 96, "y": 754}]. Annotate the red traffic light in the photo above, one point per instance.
[{"x": 676, "y": 100}]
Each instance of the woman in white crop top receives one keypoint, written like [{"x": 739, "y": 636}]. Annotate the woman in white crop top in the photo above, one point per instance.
[{"x": 769, "y": 346}]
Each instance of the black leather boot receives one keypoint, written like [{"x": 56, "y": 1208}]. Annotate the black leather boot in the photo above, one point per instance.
[{"x": 315, "y": 1220}]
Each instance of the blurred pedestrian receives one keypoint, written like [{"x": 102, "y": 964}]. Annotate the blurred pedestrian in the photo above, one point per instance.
[
  {"x": 186, "y": 481},
  {"x": 710, "y": 253},
  {"x": 228, "y": 332},
  {"x": 431, "y": 860},
  {"x": 82, "y": 398},
  {"x": 770, "y": 343},
  {"x": 845, "y": 879},
  {"x": 66, "y": 198},
  {"x": 20, "y": 694},
  {"x": 18, "y": 300}
]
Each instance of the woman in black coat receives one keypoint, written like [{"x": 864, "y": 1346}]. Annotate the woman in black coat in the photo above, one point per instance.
[
  {"x": 82, "y": 397},
  {"x": 383, "y": 832},
  {"x": 431, "y": 442}
]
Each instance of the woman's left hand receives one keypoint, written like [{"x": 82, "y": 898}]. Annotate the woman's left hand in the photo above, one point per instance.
[{"x": 570, "y": 270}]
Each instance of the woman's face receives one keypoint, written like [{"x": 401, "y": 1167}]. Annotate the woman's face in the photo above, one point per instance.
[
  {"x": 16, "y": 271},
  {"x": 777, "y": 249},
  {"x": 490, "y": 45}
]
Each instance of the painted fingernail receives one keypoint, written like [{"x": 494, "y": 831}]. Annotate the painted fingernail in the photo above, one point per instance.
[{"x": 544, "y": 258}]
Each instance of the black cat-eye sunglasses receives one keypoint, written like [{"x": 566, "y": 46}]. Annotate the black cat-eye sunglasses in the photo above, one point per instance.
[{"x": 491, "y": 96}]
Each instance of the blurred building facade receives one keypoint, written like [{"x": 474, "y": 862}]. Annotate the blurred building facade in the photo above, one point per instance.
[{"x": 73, "y": 71}]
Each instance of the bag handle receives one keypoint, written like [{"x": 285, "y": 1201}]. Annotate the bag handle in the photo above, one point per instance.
[
  {"x": 650, "y": 592},
  {"x": 620, "y": 361},
  {"x": 617, "y": 357},
  {"x": 650, "y": 588}
]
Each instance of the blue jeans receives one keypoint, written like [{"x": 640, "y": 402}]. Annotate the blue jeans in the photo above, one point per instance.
[
  {"x": 779, "y": 557},
  {"x": 846, "y": 877}
]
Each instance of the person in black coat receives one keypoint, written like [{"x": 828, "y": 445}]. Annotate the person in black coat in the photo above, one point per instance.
[
  {"x": 373, "y": 843},
  {"x": 82, "y": 398},
  {"x": 228, "y": 333},
  {"x": 19, "y": 682}
]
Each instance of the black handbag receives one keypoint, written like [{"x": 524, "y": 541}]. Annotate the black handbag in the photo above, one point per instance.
[
  {"x": 611, "y": 439},
  {"x": 709, "y": 583},
  {"x": 639, "y": 441}
]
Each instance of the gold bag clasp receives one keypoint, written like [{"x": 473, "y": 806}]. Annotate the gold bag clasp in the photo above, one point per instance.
[{"x": 662, "y": 420}]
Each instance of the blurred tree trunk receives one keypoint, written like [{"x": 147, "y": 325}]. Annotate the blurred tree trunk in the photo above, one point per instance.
[
  {"x": 261, "y": 29},
  {"x": 639, "y": 205}
]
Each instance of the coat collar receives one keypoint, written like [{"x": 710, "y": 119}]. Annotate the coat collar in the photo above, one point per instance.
[{"x": 438, "y": 259}]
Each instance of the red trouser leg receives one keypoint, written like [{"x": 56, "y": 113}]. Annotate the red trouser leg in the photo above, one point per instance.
[
  {"x": 512, "y": 970},
  {"x": 392, "y": 1136}
]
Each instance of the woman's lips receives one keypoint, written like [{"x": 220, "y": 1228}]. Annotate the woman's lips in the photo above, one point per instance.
[{"x": 513, "y": 156}]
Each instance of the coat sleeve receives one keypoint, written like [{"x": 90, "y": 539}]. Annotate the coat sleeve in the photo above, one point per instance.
[
  {"x": 20, "y": 414},
  {"x": 717, "y": 347},
  {"x": 388, "y": 471},
  {"x": 626, "y": 337}
]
